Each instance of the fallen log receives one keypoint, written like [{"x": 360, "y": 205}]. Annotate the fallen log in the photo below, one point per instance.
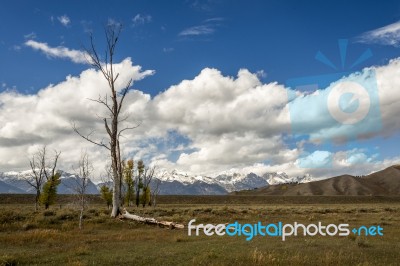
[{"x": 172, "y": 225}]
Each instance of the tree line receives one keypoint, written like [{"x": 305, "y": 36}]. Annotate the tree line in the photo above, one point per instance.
[{"x": 139, "y": 187}]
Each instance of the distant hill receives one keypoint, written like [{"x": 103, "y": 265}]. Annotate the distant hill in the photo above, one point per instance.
[
  {"x": 9, "y": 189},
  {"x": 389, "y": 179},
  {"x": 385, "y": 182}
]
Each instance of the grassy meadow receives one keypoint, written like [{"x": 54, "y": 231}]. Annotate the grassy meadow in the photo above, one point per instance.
[{"x": 52, "y": 237}]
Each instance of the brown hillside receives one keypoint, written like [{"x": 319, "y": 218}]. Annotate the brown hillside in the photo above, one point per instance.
[
  {"x": 385, "y": 182},
  {"x": 389, "y": 179}
]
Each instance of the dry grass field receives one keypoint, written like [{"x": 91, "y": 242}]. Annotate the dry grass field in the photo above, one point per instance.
[{"x": 52, "y": 237}]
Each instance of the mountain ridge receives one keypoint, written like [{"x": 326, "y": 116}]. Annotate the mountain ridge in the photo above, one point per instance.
[
  {"x": 172, "y": 183},
  {"x": 383, "y": 182}
]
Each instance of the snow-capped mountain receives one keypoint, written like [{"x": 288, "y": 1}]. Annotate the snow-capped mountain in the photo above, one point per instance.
[
  {"x": 227, "y": 181},
  {"x": 171, "y": 182},
  {"x": 15, "y": 182},
  {"x": 69, "y": 183}
]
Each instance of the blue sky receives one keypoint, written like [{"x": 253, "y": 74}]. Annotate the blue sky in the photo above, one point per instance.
[
  {"x": 279, "y": 37},
  {"x": 275, "y": 40}
]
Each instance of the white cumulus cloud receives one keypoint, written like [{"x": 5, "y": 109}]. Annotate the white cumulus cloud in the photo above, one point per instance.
[
  {"x": 207, "y": 124},
  {"x": 75, "y": 56},
  {"x": 28, "y": 121}
]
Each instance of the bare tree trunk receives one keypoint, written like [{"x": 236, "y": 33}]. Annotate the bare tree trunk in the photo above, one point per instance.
[
  {"x": 81, "y": 214},
  {"x": 155, "y": 192},
  {"x": 116, "y": 202},
  {"x": 82, "y": 179},
  {"x": 137, "y": 193},
  {"x": 170, "y": 225},
  {"x": 112, "y": 121},
  {"x": 117, "y": 188},
  {"x": 37, "y": 200}
]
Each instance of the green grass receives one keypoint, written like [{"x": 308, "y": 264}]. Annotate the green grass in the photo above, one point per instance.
[{"x": 52, "y": 237}]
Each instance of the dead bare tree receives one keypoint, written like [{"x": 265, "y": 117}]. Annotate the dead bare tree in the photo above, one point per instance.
[
  {"x": 150, "y": 220},
  {"x": 82, "y": 179},
  {"x": 155, "y": 186},
  {"x": 113, "y": 104},
  {"x": 42, "y": 170},
  {"x": 155, "y": 191}
]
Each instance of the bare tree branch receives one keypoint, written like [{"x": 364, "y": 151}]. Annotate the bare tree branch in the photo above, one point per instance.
[
  {"x": 104, "y": 102},
  {"x": 107, "y": 128},
  {"x": 124, "y": 92},
  {"x": 87, "y": 137},
  {"x": 123, "y": 119},
  {"x": 56, "y": 156},
  {"x": 127, "y": 128}
]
